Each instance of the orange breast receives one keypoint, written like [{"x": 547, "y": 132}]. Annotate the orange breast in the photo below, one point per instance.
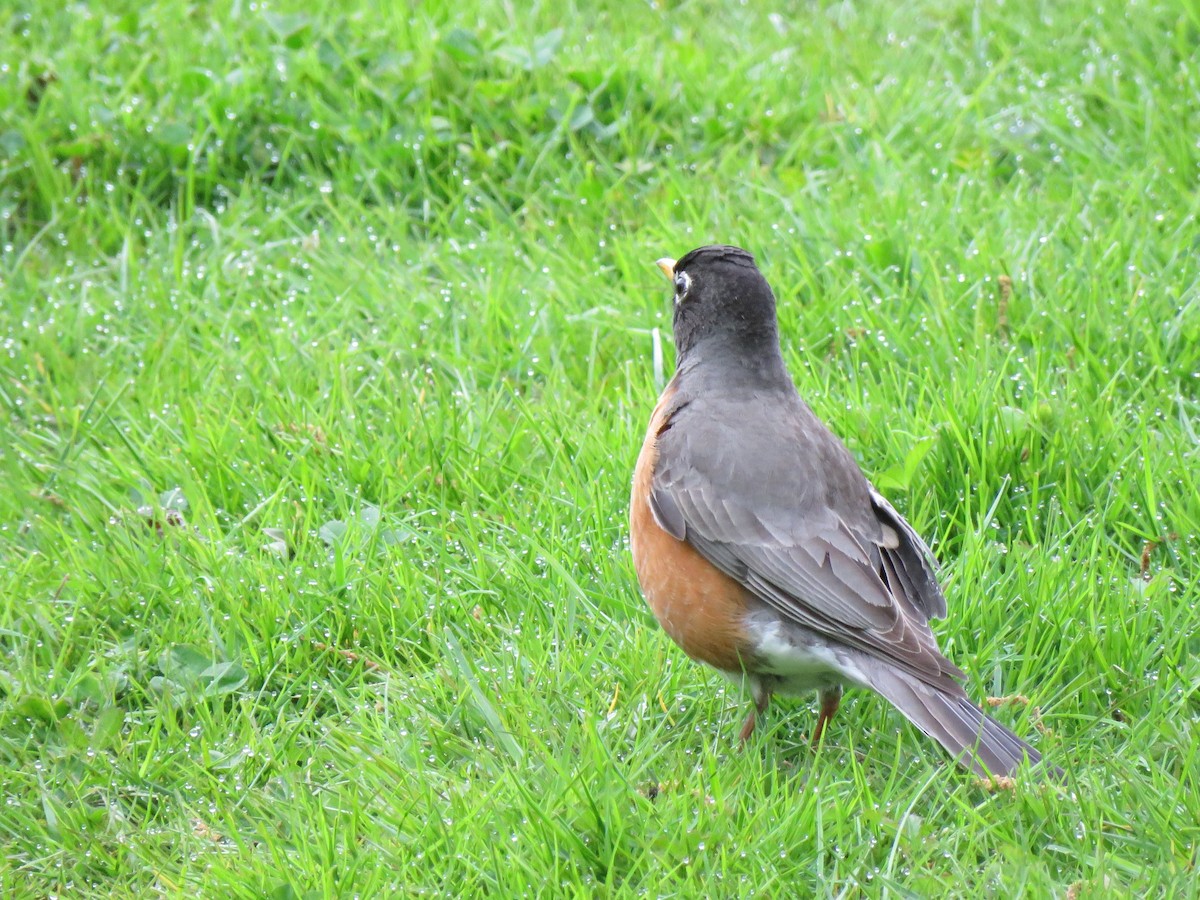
[{"x": 699, "y": 606}]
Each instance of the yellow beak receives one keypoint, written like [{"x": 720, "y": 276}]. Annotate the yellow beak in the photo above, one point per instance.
[{"x": 667, "y": 265}]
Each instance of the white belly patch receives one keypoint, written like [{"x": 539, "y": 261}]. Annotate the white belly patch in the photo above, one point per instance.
[{"x": 800, "y": 660}]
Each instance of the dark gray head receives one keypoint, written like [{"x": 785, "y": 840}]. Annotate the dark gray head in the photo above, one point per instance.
[{"x": 722, "y": 304}]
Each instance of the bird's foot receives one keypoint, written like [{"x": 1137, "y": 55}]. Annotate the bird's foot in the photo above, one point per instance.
[
  {"x": 760, "y": 706},
  {"x": 831, "y": 698}
]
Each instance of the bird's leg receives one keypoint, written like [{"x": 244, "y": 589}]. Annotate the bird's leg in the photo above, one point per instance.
[
  {"x": 830, "y": 698},
  {"x": 761, "y": 699}
]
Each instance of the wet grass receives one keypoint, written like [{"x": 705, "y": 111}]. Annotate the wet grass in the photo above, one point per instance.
[{"x": 327, "y": 342}]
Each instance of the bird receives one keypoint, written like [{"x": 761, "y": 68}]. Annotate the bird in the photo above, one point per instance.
[{"x": 762, "y": 548}]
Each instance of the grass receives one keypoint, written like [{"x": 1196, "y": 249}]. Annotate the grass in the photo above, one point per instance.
[{"x": 328, "y": 338}]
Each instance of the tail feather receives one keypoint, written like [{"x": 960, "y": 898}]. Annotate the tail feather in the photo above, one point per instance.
[{"x": 975, "y": 740}]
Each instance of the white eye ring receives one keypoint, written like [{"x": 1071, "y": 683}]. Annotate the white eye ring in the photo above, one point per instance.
[{"x": 682, "y": 284}]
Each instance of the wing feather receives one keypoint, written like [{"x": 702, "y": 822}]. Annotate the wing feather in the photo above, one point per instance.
[{"x": 809, "y": 536}]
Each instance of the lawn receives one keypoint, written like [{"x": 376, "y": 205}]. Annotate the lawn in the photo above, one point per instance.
[{"x": 328, "y": 336}]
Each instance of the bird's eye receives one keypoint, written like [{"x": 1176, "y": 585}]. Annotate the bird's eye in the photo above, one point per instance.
[{"x": 682, "y": 283}]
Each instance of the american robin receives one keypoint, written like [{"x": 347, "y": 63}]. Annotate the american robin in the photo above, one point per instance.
[{"x": 762, "y": 548}]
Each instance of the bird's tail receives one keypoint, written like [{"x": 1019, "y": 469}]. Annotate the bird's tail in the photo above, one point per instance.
[{"x": 975, "y": 740}]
